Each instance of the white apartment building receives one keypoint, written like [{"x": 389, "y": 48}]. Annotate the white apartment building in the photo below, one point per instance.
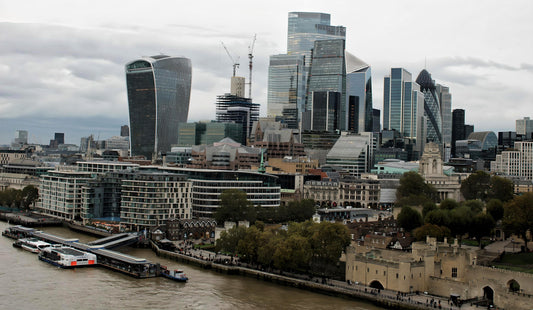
[{"x": 515, "y": 163}]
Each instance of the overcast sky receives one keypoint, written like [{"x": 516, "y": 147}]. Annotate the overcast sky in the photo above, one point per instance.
[{"x": 62, "y": 62}]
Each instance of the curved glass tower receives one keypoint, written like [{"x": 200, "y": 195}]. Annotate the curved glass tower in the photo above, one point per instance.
[
  {"x": 159, "y": 89},
  {"x": 432, "y": 108}
]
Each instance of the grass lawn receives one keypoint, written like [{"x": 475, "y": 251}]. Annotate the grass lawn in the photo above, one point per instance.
[{"x": 522, "y": 262}]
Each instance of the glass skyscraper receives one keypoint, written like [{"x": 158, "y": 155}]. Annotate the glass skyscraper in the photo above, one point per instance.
[
  {"x": 328, "y": 73},
  {"x": 432, "y": 108},
  {"x": 159, "y": 90},
  {"x": 403, "y": 106},
  {"x": 286, "y": 89},
  {"x": 307, "y": 27},
  {"x": 359, "y": 116},
  {"x": 287, "y": 77}
]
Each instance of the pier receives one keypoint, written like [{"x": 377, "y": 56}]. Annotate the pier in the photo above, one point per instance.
[{"x": 132, "y": 266}]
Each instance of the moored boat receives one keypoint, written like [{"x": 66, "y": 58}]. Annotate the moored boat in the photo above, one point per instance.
[
  {"x": 176, "y": 275},
  {"x": 67, "y": 257},
  {"x": 33, "y": 245}
]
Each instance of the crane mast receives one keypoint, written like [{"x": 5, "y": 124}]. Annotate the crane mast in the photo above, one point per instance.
[{"x": 250, "y": 57}]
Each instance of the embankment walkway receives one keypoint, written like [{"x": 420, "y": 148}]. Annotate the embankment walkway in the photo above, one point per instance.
[{"x": 384, "y": 298}]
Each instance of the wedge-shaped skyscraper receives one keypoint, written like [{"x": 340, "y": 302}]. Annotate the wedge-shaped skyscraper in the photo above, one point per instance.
[{"x": 159, "y": 89}]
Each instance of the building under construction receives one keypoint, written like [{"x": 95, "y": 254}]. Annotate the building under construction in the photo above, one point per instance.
[{"x": 239, "y": 110}]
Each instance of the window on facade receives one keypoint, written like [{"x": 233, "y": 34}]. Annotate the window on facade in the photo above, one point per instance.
[
  {"x": 396, "y": 276},
  {"x": 454, "y": 272}
]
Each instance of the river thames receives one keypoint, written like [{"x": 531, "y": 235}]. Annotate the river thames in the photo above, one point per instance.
[{"x": 28, "y": 283}]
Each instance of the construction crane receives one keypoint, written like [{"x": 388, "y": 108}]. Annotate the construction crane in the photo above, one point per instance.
[
  {"x": 235, "y": 63},
  {"x": 250, "y": 57}
]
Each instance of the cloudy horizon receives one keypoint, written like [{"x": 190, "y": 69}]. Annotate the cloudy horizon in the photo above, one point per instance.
[{"x": 62, "y": 66}]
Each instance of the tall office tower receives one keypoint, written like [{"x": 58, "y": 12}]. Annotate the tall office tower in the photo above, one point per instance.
[
  {"x": 124, "y": 131},
  {"x": 59, "y": 137},
  {"x": 445, "y": 99},
  {"x": 358, "y": 95},
  {"x": 328, "y": 73},
  {"x": 458, "y": 127},
  {"x": 286, "y": 89},
  {"x": 376, "y": 122},
  {"x": 431, "y": 107},
  {"x": 287, "y": 77},
  {"x": 323, "y": 115},
  {"x": 524, "y": 126},
  {"x": 159, "y": 89},
  {"x": 239, "y": 110},
  {"x": 468, "y": 130},
  {"x": 403, "y": 107},
  {"x": 21, "y": 137},
  {"x": 307, "y": 27}
]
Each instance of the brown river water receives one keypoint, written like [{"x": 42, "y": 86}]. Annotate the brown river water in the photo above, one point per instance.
[{"x": 27, "y": 283}]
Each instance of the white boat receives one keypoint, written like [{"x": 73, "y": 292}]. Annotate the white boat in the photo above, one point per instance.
[
  {"x": 67, "y": 257},
  {"x": 33, "y": 245}
]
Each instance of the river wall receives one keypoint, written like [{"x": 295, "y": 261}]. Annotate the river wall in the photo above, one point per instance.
[{"x": 357, "y": 292}]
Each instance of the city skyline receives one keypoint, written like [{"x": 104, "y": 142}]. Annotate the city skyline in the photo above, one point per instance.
[{"x": 81, "y": 89}]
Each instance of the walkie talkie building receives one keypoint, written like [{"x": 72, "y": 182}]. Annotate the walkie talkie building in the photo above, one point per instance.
[{"x": 159, "y": 89}]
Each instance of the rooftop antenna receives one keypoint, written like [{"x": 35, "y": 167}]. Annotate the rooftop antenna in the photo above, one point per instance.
[{"x": 235, "y": 63}]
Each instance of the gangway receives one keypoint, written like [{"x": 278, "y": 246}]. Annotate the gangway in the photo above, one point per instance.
[{"x": 107, "y": 239}]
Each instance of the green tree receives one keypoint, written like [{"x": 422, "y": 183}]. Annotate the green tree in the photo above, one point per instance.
[
  {"x": 328, "y": 241},
  {"x": 431, "y": 230},
  {"x": 248, "y": 246},
  {"x": 428, "y": 207},
  {"x": 495, "y": 209},
  {"x": 413, "y": 184},
  {"x": 438, "y": 217},
  {"x": 475, "y": 206},
  {"x": 460, "y": 221},
  {"x": 481, "y": 226},
  {"x": 30, "y": 194},
  {"x": 518, "y": 216},
  {"x": 234, "y": 206},
  {"x": 409, "y": 218},
  {"x": 476, "y": 186},
  {"x": 501, "y": 188},
  {"x": 269, "y": 242},
  {"x": 229, "y": 240},
  {"x": 448, "y": 204}
]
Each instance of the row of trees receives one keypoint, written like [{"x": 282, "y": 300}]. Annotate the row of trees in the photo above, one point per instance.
[
  {"x": 489, "y": 199},
  {"x": 234, "y": 206},
  {"x": 305, "y": 247},
  {"x": 16, "y": 198}
]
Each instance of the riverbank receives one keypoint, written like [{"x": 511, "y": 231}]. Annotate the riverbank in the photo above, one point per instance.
[{"x": 382, "y": 298}]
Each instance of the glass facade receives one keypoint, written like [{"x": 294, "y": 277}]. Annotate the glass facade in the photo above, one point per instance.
[
  {"x": 445, "y": 99},
  {"x": 359, "y": 95},
  {"x": 286, "y": 89},
  {"x": 432, "y": 107},
  {"x": 328, "y": 73},
  {"x": 403, "y": 106},
  {"x": 158, "y": 98},
  {"x": 307, "y": 27},
  {"x": 324, "y": 111}
]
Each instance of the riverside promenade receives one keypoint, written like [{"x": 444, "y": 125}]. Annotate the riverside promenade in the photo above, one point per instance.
[{"x": 384, "y": 298}]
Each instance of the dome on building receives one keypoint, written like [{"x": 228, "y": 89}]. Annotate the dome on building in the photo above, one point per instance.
[{"x": 425, "y": 81}]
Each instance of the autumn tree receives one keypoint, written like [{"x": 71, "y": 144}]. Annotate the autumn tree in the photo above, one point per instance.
[
  {"x": 518, "y": 216},
  {"x": 431, "y": 230}
]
